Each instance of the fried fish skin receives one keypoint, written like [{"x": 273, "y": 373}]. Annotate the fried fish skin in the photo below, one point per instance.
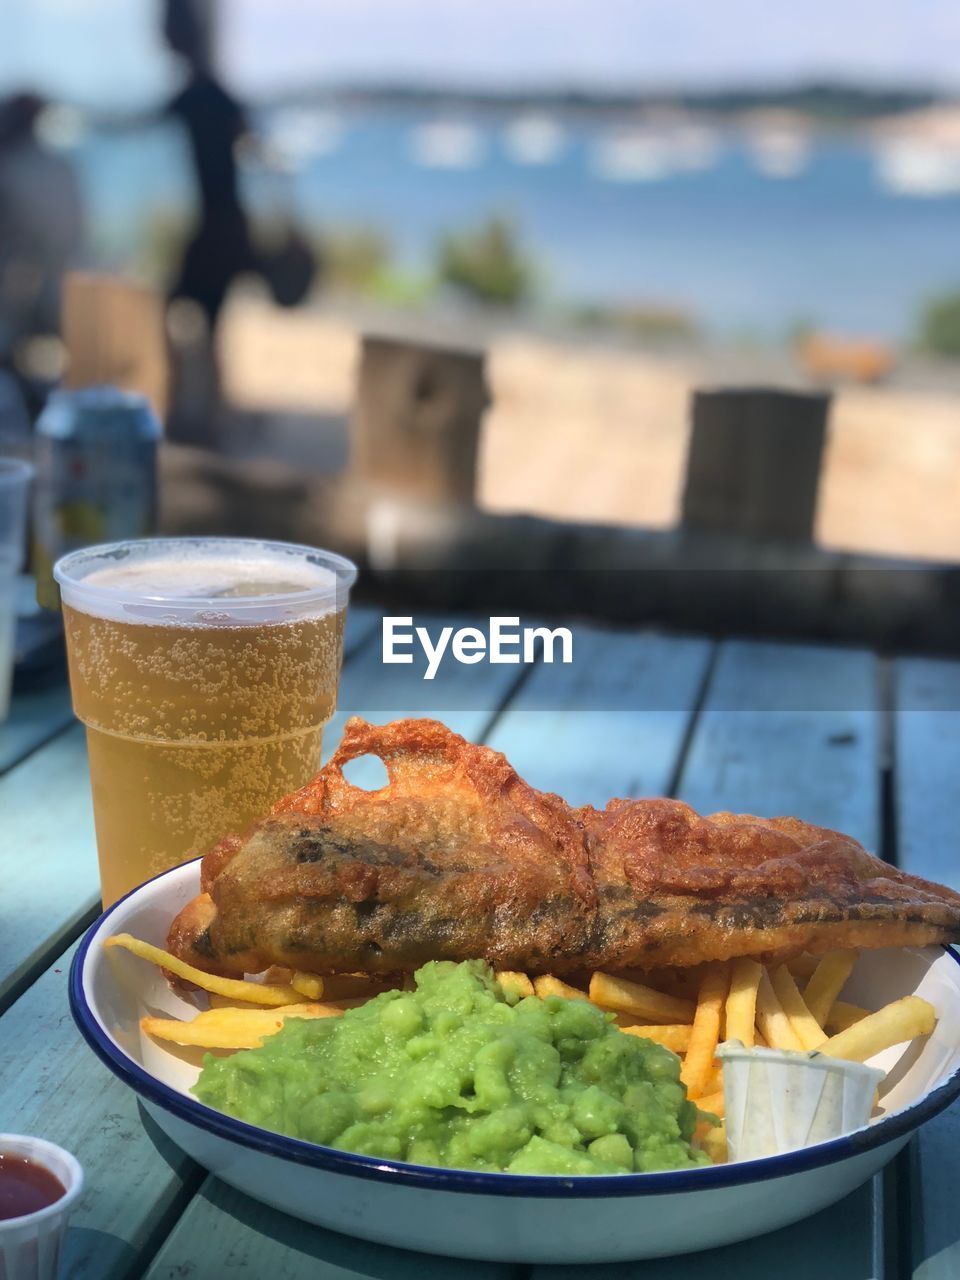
[
  {"x": 458, "y": 858},
  {"x": 694, "y": 889}
]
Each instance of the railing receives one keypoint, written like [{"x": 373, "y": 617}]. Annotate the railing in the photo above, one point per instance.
[{"x": 742, "y": 559}]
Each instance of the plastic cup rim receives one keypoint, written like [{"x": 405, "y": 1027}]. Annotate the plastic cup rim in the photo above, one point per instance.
[
  {"x": 344, "y": 569},
  {"x": 39, "y": 1151},
  {"x": 736, "y": 1052}
]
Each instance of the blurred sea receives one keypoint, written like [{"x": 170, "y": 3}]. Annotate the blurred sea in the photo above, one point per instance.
[{"x": 750, "y": 233}]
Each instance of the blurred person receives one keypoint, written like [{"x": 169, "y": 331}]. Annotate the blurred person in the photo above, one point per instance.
[
  {"x": 220, "y": 248},
  {"x": 41, "y": 226}
]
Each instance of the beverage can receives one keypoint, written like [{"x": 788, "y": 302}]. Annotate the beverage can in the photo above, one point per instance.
[{"x": 96, "y": 475}]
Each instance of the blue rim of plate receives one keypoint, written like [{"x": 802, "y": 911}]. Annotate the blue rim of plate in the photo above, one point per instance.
[{"x": 532, "y": 1186}]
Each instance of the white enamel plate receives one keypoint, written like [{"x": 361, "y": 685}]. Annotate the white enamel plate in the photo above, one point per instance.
[{"x": 497, "y": 1216}]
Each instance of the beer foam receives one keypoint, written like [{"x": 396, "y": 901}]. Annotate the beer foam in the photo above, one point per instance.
[
  {"x": 211, "y": 578},
  {"x": 254, "y": 587}
]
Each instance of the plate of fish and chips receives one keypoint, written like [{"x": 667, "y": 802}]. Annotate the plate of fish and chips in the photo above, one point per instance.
[{"x": 843, "y": 964}]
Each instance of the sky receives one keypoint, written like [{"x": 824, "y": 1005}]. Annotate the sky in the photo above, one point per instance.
[{"x": 104, "y": 52}]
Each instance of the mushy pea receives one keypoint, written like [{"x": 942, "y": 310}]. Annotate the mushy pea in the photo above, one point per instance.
[{"x": 458, "y": 1073}]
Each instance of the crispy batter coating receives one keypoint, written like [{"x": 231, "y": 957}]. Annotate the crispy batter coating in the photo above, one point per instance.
[{"x": 457, "y": 857}]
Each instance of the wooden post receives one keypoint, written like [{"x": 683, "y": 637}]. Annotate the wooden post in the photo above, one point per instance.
[
  {"x": 753, "y": 465},
  {"x": 415, "y": 428},
  {"x": 113, "y": 333}
]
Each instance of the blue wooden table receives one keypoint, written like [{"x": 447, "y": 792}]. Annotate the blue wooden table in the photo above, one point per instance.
[{"x": 840, "y": 737}]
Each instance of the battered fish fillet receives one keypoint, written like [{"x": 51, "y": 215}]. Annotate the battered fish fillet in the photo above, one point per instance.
[{"x": 457, "y": 857}]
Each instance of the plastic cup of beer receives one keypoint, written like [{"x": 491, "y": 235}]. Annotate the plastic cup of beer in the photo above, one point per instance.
[{"x": 204, "y": 670}]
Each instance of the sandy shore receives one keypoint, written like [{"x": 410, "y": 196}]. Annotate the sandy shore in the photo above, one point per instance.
[{"x": 583, "y": 433}]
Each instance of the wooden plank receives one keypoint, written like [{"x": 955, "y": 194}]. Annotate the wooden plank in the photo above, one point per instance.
[
  {"x": 790, "y": 729},
  {"x": 931, "y": 1218},
  {"x": 51, "y": 881},
  {"x": 53, "y": 1086},
  {"x": 824, "y": 1246},
  {"x": 224, "y": 1233},
  {"x": 927, "y": 798},
  {"x": 927, "y": 775},
  {"x": 612, "y": 723},
  {"x": 34, "y": 718},
  {"x": 363, "y": 620}
]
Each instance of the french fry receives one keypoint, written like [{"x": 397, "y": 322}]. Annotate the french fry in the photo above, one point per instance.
[
  {"x": 806, "y": 1028},
  {"x": 684, "y": 983},
  {"x": 844, "y": 1015},
  {"x": 771, "y": 1019},
  {"x": 674, "y": 1036},
  {"x": 337, "y": 1006},
  {"x": 741, "y": 1010},
  {"x": 827, "y": 982},
  {"x": 346, "y": 986},
  {"x": 803, "y": 966},
  {"x": 698, "y": 1064},
  {"x": 308, "y": 984},
  {"x": 713, "y": 1140},
  {"x": 233, "y": 988},
  {"x": 232, "y": 1028},
  {"x": 624, "y": 996},
  {"x": 712, "y": 1102},
  {"x": 714, "y": 1079},
  {"x": 228, "y": 1002},
  {"x": 901, "y": 1020},
  {"x": 517, "y": 983},
  {"x": 548, "y": 985}
]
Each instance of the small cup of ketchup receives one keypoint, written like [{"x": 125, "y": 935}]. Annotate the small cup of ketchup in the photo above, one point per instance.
[{"x": 38, "y": 1184}]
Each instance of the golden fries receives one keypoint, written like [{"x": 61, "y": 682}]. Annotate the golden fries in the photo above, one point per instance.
[
  {"x": 348, "y": 986},
  {"x": 844, "y": 1015},
  {"x": 233, "y": 988},
  {"x": 827, "y": 982},
  {"x": 308, "y": 984},
  {"x": 623, "y": 996},
  {"x": 228, "y": 1028},
  {"x": 673, "y": 1036},
  {"x": 902, "y": 1020},
  {"x": 771, "y": 1018},
  {"x": 698, "y": 1064},
  {"x": 713, "y": 1140},
  {"x": 802, "y": 966},
  {"x": 712, "y": 1102},
  {"x": 714, "y": 1079},
  {"x": 806, "y": 1028},
  {"x": 684, "y": 983},
  {"x": 743, "y": 999},
  {"x": 548, "y": 985},
  {"x": 517, "y": 983},
  {"x": 741, "y": 1009}
]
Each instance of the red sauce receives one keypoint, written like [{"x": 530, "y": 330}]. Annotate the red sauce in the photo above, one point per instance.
[{"x": 26, "y": 1187}]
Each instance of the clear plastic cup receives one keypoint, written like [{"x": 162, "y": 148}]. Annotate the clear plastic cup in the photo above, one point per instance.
[
  {"x": 15, "y": 477},
  {"x": 779, "y": 1100},
  {"x": 204, "y": 670},
  {"x": 30, "y": 1245}
]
